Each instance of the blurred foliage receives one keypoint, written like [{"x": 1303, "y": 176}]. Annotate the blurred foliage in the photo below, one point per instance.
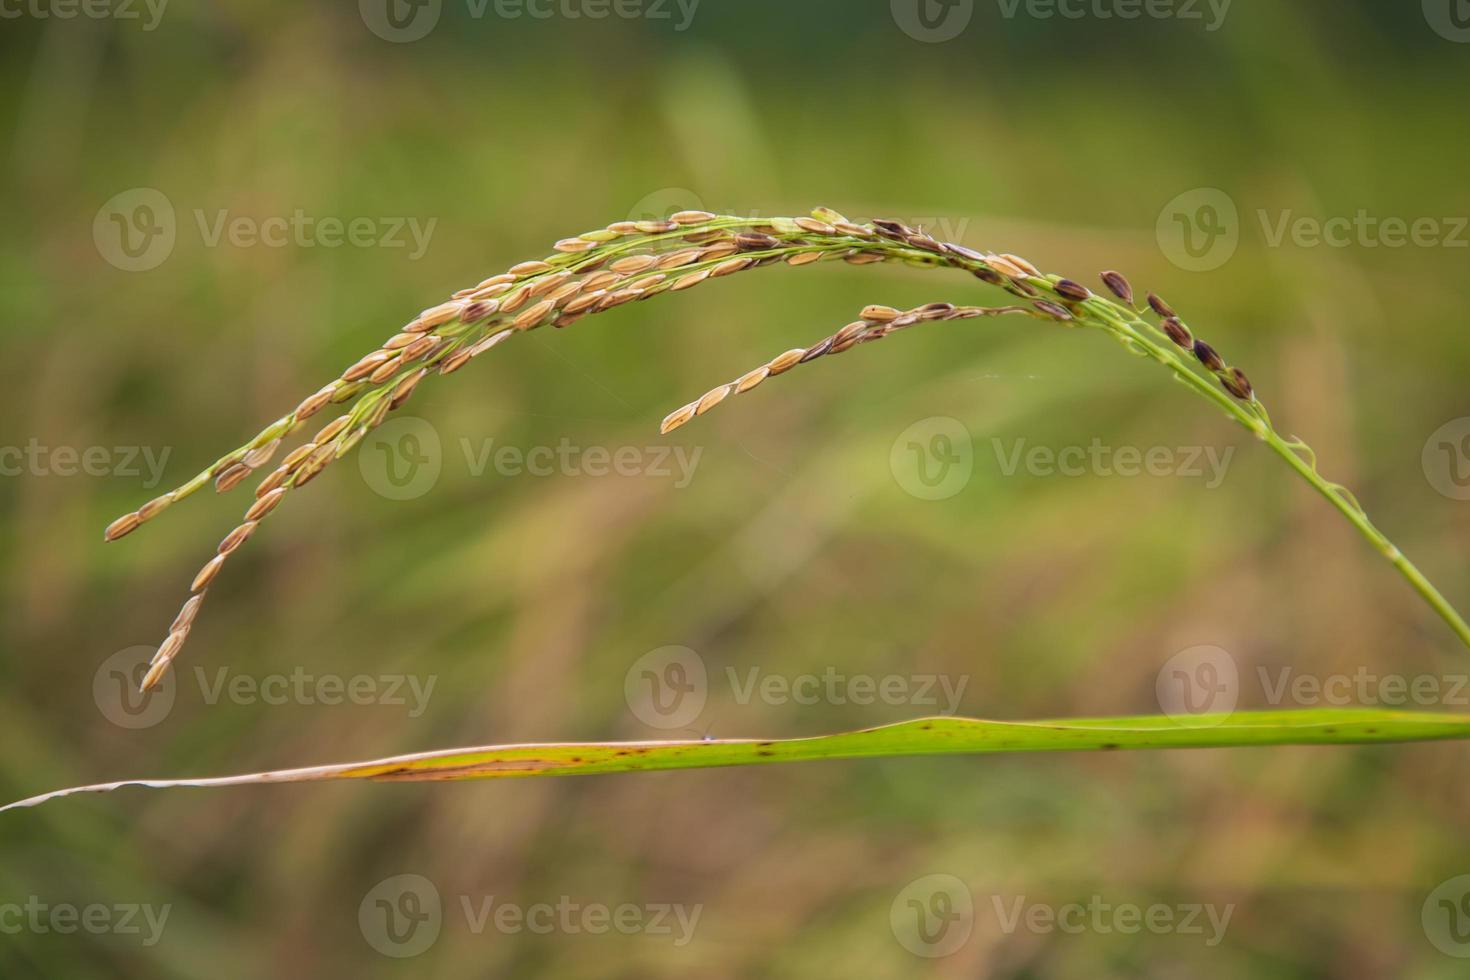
[{"x": 793, "y": 549}]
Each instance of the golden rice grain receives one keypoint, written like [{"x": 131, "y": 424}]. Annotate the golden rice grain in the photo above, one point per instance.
[
  {"x": 532, "y": 268},
  {"x": 237, "y": 537},
  {"x": 124, "y": 525},
  {"x": 533, "y": 315},
  {"x": 187, "y": 613},
  {"x": 207, "y": 574},
  {"x": 515, "y": 300},
  {"x": 315, "y": 403},
  {"x": 691, "y": 280},
  {"x": 231, "y": 477},
  {"x": 631, "y": 264}
]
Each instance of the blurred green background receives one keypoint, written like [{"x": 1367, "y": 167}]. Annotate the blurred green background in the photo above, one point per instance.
[{"x": 803, "y": 543}]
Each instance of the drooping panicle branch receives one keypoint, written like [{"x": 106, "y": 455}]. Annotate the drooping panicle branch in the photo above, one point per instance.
[{"x": 633, "y": 261}]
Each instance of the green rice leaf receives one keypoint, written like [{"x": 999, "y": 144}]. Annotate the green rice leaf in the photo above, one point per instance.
[{"x": 924, "y": 736}]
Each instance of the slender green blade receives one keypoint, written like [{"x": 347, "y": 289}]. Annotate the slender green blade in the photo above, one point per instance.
[{"x": 924, "y": 736}]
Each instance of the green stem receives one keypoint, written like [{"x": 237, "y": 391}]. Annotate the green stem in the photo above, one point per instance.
[{"x": 1287, "y": 450}]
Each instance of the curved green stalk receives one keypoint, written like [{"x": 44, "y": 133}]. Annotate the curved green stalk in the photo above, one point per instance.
[
  {"x": 1291, "y": 450},
  {"x": 632, "y": 261}
]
